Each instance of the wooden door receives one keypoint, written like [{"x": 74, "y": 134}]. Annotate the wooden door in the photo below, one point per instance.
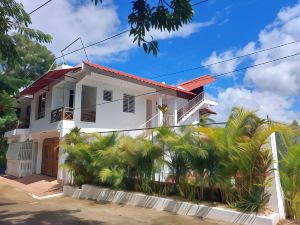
[
  {"x": 148, "y": 112},
  {"x": 50, "y": 157}
]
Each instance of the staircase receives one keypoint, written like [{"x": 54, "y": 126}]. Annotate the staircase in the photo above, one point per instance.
[{"x": 191, "y": 107}]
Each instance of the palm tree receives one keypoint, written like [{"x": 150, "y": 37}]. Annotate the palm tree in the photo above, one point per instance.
[
  {"x": 289, "y": 168},
  {"x": 174, "y": 153},
  {"x": 78, "y": 157},
  {"x": 249, "y": 158}
]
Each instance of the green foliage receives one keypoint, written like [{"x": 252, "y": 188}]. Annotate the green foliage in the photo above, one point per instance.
[
  {"x": 7, "y": 113},
  {"x": 290, "y": 179},
  {"x": 36, "y": 59},
  {"x": 13, "y": 18},
  {"x": 231, "y": 165},
  {"x": 164, "y": 16},
  {"x": 22, "y": 59},
  {"x": 3, "y": 150}
]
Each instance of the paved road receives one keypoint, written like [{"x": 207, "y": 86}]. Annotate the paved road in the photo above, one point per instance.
[{"x": 17, "y": 207}]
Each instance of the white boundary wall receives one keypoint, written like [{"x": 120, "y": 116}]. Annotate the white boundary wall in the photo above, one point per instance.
[
  {"x": 164, "y": 204},
  {"x": 276, "y": 203}
]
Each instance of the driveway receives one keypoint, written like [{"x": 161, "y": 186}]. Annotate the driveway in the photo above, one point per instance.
[
  {"x": 38, "y": 185},
  {"x": 18, "y": 207}
]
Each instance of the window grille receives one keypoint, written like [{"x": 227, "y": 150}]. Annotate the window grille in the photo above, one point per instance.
[
  {"x": 107, "y": 95},
  {"x": 128, "y": 103}
]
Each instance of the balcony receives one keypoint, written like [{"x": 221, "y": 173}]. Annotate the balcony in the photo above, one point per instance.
[{"x": 63, "y": 113}]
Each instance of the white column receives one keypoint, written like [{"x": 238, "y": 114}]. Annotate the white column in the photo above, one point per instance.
[
  {"x": 276, "y": 203},
  {"x": 39, "y": 155},
  {"x": 160, "y": 114},
  {"x": 77, "y": 104},
  {"x": 175, "y": 111}
]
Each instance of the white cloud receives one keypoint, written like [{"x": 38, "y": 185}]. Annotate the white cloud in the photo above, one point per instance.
[
  {"x": 281, "y": 77},
  {"x": 184, "y": 31},
  {"x": 275, "y": 85},
  {"x": 67, "y": 20},
  {"x": 227, "y": 58},
  {"x": 277, "y": 107}
]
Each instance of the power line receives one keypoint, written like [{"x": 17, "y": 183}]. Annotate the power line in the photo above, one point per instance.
[
  {"x": 215, "y": 76},
  {"x": 153, "y": 128},
  {"x": 198, "y": 3},
  {"x": 111, "y": 37},
  {"x": 40, "y": 7},
  {"x": 226, "y": 60},
  {"x": 207, "y": 65},
  {"x": 93, "y": 44}
]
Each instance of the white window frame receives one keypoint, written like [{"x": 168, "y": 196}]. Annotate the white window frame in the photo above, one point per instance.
[
  {"x": 41, "y": 114},
  {"x": 126, "y": 103}
]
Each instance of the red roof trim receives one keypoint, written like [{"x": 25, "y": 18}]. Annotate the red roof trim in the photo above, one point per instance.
[
  {"x": 47, "y": 78},
  {"x": 151, "y": 82},
  {"x": 197, "y": 82}
]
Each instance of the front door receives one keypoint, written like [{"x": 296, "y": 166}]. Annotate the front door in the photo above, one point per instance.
[{"x": 50, "y": 157}]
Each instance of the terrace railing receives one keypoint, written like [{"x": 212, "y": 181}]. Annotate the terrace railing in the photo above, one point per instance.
[
  {"x": 63, "y": 113},
  {"x": 88, "y": 116}
]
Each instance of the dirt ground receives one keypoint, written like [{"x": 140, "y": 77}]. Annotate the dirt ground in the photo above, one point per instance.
[{"x": 17, "y": 207}]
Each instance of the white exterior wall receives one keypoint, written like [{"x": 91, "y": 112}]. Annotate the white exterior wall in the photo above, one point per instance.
[
  {"x": 111, "y": 116},
  {"x": 108, "y": 116},
  {"x": 42, "y": 124}
]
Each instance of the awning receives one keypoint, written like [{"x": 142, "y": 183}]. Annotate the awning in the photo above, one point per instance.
[{"x": 47, "y": 78}]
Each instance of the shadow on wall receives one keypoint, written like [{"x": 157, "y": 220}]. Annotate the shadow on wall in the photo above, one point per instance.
[{"x": 59, "y": 217}]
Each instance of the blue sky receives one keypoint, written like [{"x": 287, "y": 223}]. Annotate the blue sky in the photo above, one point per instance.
[{"x": 221, "y": 29}]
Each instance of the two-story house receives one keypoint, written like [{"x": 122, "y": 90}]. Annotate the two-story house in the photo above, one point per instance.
[{"x": 96, "y": 99}]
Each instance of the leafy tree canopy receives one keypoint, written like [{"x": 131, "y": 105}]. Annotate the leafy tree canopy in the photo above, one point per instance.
[
  {"x": 35, "y": 59},
  {"x": 14, "y": 18},
  {"x": 162, "y": 15},
  {"x": 22, "y": 59}
]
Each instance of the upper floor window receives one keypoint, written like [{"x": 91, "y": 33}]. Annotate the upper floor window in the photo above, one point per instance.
[
  {"x": 41, "y": 107},
  {"x": 107, "y": 95},
  {"x": 128, "y": 103},
  {"x": 71, "y": 99}
]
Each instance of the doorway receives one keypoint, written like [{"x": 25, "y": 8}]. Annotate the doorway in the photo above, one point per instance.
[{"x": 50, "y": 157}]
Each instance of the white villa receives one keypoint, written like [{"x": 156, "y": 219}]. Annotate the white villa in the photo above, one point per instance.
[{"x": 96, "y": 99}]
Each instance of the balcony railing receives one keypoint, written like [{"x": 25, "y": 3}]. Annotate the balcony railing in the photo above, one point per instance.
[
  {"x": 88, "y": 116},
  {"x": 189, "y": 106},
  {"x": 63, "y": 113}
]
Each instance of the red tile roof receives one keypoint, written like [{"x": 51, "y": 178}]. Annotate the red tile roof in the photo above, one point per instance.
[
  {"x": 197, "y": 82},
  {"x": 144, "y": 80},
  {"x": 56, "y": 74},
  {"x": 47, "y": 78}
]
